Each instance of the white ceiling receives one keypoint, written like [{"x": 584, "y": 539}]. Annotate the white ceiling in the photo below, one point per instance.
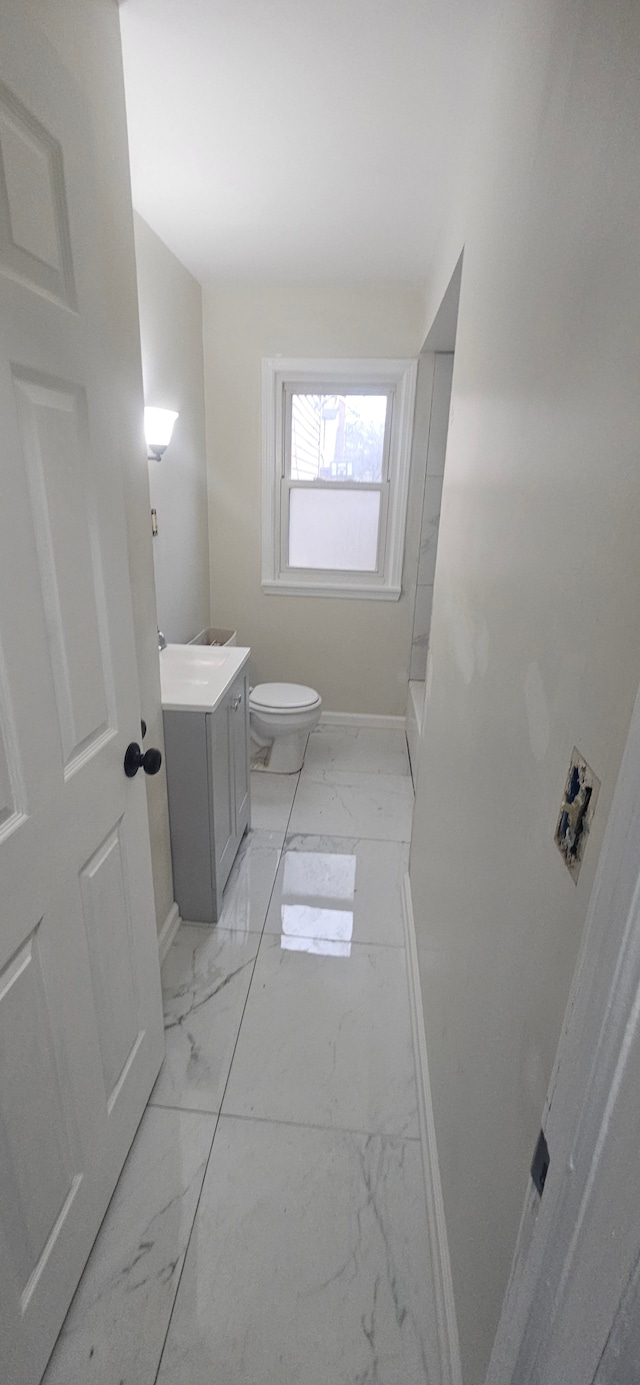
[{"x": 299, "y": 139}]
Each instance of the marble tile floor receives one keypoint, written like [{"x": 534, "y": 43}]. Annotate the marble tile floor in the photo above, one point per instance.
[{"x": 269, "y": 1226}]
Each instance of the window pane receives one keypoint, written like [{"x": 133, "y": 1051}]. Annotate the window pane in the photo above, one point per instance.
[
  {"x": 334, "y": 529},
  {"x": 337, "y": 437}
]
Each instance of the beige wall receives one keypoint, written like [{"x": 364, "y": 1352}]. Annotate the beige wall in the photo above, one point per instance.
[
  {"x": 86, "y": 35},
  {"x": 170, "y": 303},
  {"x": 535, "y": 637},
  {"x": 356, "y": 653}
]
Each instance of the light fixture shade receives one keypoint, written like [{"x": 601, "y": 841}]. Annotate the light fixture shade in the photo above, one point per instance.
[{"x": 158, "y": 427}]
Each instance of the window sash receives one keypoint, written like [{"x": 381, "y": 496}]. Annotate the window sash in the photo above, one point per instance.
[
  {"x": 376, "y": 376},
  {"x": 321, "y": 387},
  {"x": 333, "y": 574}
]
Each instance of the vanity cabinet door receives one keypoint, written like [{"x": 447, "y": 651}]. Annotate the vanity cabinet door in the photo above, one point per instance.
[
  {"x": 222, "y": 792},
  {"x": 239, "y": 718},
  {"x": 207, "y": 759}
]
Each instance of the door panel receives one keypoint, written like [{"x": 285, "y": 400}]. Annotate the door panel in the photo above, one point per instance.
[
  {"x": 108, "y": 927},
  {"x": 7, "y": 800},
  {"x": 55, "y": 449},
  {"x": 11, "y": 785},
  {"x": 81, "y": 1035},
  {"x": 34, "y": 232},
  {"x": 38, "y": 1173}
]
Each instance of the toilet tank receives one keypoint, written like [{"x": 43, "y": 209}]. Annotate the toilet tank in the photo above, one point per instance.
[{"x": 215, "y": 635}]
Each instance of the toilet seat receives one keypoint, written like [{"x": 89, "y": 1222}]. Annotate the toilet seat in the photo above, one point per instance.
[
  {"x": 283, "y": 697},
  {"x": 282, "y": 717}
]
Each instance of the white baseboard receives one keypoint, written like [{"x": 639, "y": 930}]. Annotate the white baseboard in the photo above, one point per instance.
[
  {"x": 168, "y": 931},
  {"x": 448, "y": 1343},
  {"x": 374, "y": 721}
]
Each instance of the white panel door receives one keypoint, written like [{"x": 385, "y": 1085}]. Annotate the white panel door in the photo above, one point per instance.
[{"x": 80, "y": 1014}]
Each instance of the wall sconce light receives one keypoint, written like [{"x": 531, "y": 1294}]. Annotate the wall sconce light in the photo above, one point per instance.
[{"x": 158, "y": 427}]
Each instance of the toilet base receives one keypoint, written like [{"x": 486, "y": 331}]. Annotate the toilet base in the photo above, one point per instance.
[
  {"x": 285, "y": 755},
  {"x": 282, "y": 731}
]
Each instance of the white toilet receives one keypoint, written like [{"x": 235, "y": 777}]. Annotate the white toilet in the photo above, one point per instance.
[{"x": 281, "y": 715}]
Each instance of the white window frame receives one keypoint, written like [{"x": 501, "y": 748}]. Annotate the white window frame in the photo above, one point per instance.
[{"x": 398, "y": 377}]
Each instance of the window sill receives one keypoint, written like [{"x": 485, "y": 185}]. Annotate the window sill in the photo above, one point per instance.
[{"x": 352, "y": 592}]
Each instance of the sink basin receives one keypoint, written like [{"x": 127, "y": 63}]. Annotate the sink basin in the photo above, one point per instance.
[
  {"x": 195, "y": 678},
  {"x": 183, "y": 658}
]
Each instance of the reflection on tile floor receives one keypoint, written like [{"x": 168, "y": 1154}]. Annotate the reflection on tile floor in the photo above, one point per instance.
[
  {"x": 326, "y": 1040},
  {"x": 339, "y": 887},
  {"x": 307, "y": 1260}
]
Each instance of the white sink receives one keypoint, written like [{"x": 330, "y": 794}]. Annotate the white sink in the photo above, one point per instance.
[{"x": 195, "y": 677}]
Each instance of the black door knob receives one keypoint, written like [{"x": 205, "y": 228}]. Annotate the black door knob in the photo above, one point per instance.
[{"x": 135, "y": 759}]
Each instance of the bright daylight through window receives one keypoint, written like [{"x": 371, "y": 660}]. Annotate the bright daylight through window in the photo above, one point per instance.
[{"x": 337, "y": 438}]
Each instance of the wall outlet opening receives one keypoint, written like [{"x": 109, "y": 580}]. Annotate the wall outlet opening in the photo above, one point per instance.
[{"x": 576, "y": 813}]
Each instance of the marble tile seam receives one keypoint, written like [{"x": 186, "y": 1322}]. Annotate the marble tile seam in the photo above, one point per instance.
[{"x": 218, "y": 1119}]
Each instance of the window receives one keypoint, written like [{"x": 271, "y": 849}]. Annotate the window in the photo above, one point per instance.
[{"x": 336, "y": 453}]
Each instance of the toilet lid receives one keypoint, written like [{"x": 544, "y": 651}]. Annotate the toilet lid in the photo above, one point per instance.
[{"x": 283, "y": 697}]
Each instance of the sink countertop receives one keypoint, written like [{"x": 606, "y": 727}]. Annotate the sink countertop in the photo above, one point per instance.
[{"x": 195, "y": 677}]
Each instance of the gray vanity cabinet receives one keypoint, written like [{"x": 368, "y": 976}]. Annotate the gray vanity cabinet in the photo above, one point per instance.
[
  {"x": 220, "y": 757},
  {"x": 239, "y": 718},
  {"x": 207, "y": 759}
]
